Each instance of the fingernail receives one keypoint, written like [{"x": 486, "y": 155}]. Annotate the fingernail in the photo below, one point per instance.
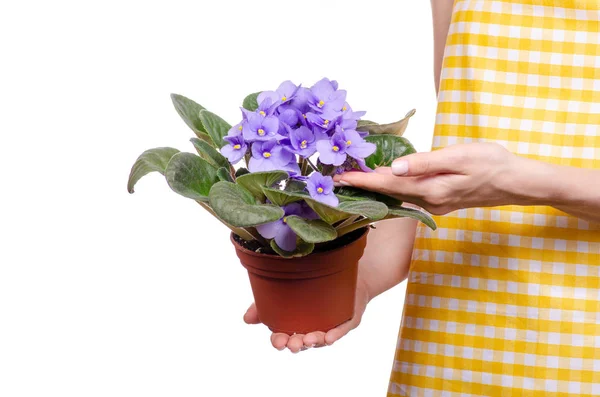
[
  {"x": 400, "y": 167},
  {"x": 344, "y": 183},
  {"x": 280, "y": 348},
  {"x": 313, "y": 345}
]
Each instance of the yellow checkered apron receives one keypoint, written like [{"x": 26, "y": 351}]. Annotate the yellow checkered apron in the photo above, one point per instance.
[{"x": 505, "y": 301}]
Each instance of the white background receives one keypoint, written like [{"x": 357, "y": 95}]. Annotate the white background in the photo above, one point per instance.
[{"x": 103, "y": 293}]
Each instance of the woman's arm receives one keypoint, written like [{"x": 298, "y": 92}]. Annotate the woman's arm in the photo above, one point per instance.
[
  {"x": 483, "y": 175},
  {"x": 575, "y": 191},
  {"x": 387, "y": 255},
  {"x": 441, "y": 12}
]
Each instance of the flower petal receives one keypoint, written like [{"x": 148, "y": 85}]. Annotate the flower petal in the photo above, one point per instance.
[
  {"x": 286, "y": 239},
  {"x": 272, "y": 229},
  {"x": 272, "y": 95},
  {"x": 328, "y": 199},
  {"x": 361, "y": 150}
]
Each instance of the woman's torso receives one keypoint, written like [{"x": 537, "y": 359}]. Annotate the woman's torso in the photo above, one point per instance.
[{"x": 506, "y": 301}]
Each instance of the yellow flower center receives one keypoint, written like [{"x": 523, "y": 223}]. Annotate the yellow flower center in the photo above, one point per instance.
[
  {"x": 262, "y": 113},
  {"x": 237, "y": 147},
  {"x": 284, "y": 219},
  {"x": 348, "y": 143},
  {"x": 266, "y": 155},
  {"x": 303, "y": 144},
  {"x": 335, "y": 149},
  {"x": 320, "y": 189},
  {"x": 303, "y": 115},
  {"x": 326, "y": 122},
  {"x": 261, "y": 132},
  {"x": 284, "y": 98},
  {"x": 321, "y": 103},
  {"x": 344, "y": 108},
  {"x": 240, "y": 128}
]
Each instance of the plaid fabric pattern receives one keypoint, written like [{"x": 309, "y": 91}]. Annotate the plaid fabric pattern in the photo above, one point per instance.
[{"x": 505, "y": 301}]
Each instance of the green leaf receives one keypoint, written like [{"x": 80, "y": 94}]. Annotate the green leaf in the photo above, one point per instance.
[
  {"x": 389, "y": 148},
  {"x": 152, "y": 160},
  {"x": 396, "y": 128},
  {"x": 241, "y": 171},
  {"x": 311, "y": 231},
  {"x": 224, "y": 175},
  {"x": 327, "y": 213},
  {"x": 403, "y": 212},
  {"x": 255, "y": 181},
  {"x": 190, "y": 176},
  {"x": 280, "y": 197},
  {"x": 302, "y": 249},
  {"x": 209, "y": 153},
  {"x": 238, "y": 207},
  {"x": 347, "y": 193},
  {"x": 189, "y": 111},
  {"x": 295, "y": 186},
  {"x": 216, "y": 127},
  {"x": 369, "y": 209},
  {"x": 251, "y": 102}
]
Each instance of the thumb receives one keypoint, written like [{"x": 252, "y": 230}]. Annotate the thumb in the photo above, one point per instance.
[
  {"x": 251, "y": 316},
  {"x": 419, "y": 164}
]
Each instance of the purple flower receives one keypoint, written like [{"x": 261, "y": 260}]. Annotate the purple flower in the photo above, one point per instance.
[
  {"x": 324, "y": 96},
  {"x": 235, "y": 149},
  {"x": 265, "y": 108},
  {"x": 300, "y": 101},
  {"x": 321, "y": 189},
  {"x": 292, "y": 167},
  {"x": 269, "y": 156},
  {"x": 286, "y": 92},
  {"x": 332, "y": 151},
  {"x": 259, "y": 128},
  {"x": 303, "y": 142},
  {"x": 325, "y": 121},
  {"x": 279, "y": 230},
  {"x": 363, "y": 166},
  {"x": 348, "y": 114},
  {"x": 356, "y": 146},
  {"x": 349, "y": 120},
  {"x": 287, "y": 118}
]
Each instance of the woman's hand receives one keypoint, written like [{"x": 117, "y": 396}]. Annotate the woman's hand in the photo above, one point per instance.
[
  {"x": 458, "y": 176},
  {"x": 300, "y": 342}
]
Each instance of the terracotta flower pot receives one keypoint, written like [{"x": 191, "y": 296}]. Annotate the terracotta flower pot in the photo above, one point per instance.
[{"x": 311, "y": 293}]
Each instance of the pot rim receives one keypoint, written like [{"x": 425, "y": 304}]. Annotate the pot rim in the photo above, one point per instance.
[{"x": 257, "y": 254}]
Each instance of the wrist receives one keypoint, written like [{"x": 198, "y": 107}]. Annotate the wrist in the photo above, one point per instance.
[{"x": 531, "y": 182}]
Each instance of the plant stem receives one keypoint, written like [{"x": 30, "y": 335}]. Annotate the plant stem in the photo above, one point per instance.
[
  {"x": 348, "y": 221},
  {"x": 243, "y": 233},
  {"x": 350, "y": 228},
  {"x": 312, "y": 165},
  {"x": 303, "y": 166}
]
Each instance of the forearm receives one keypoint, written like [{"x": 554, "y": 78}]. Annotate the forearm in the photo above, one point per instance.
[
  {"x": 441, "y": 12},
  {"x": 387, "y": 256},
  {"x": 575, "y": 191}
]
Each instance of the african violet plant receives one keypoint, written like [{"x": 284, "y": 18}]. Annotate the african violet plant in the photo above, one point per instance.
[{"x": 291, "y": 141}]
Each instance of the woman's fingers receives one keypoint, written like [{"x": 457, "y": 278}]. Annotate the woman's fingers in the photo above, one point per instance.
[
  {"x": 279, "y": 341},
  {"x": 296, "y": 343},
  {"x": 314, "y": 339},
  {"x": 338, "y": 332},
  {"x": 428, "y": 163},
  {"x": 251, "y": 315},
  {"x": 374, "y": 181}
]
